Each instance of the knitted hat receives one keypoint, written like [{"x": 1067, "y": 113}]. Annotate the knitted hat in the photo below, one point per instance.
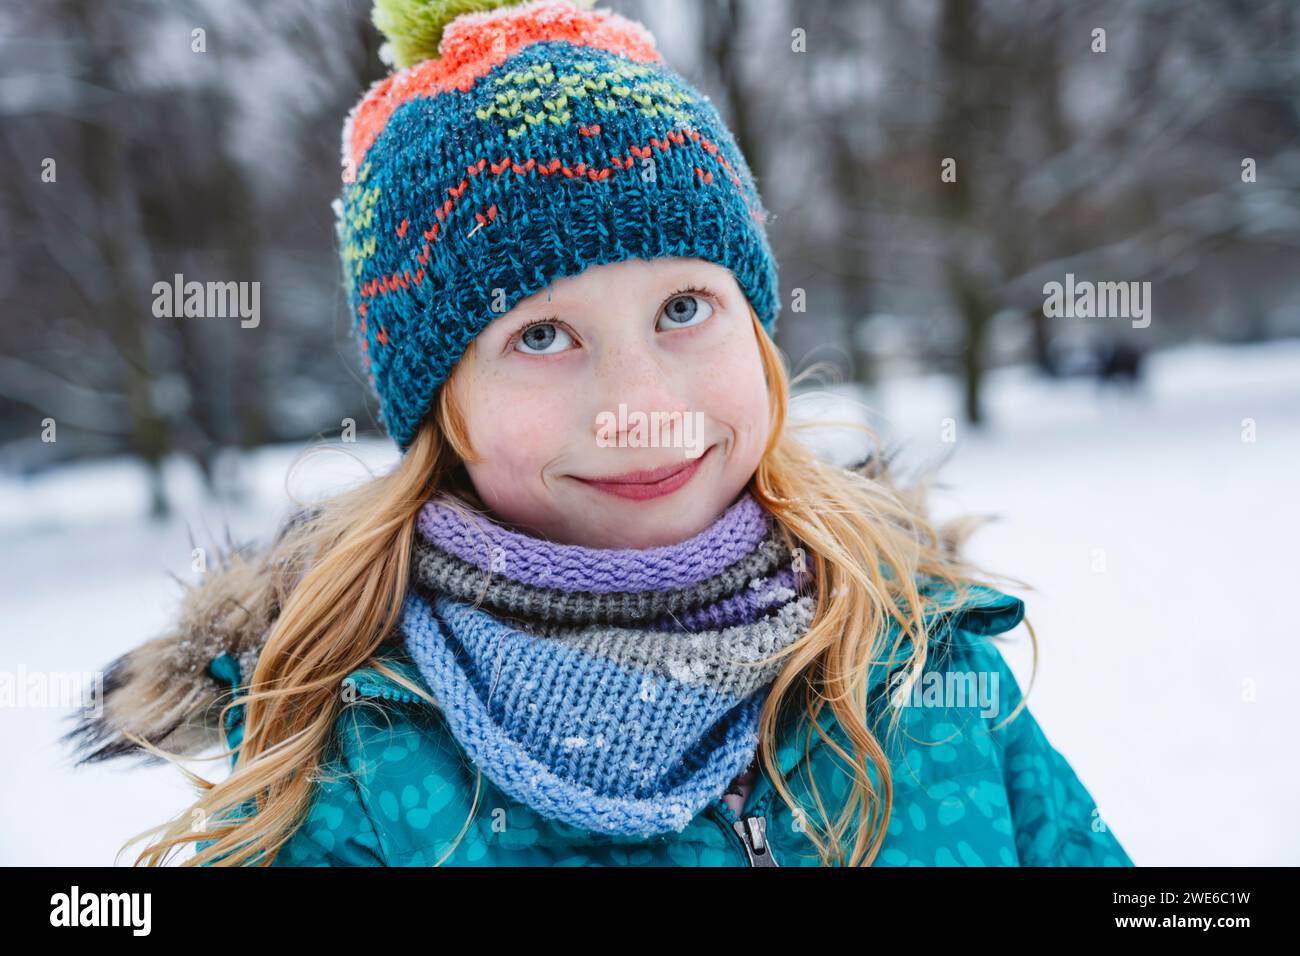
[{"x": 518, "y": 144}]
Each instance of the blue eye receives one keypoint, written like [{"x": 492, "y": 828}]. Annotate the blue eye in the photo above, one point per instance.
[
  {"x": 542, "y": 338},
  {"x": 686, "y": 310}
]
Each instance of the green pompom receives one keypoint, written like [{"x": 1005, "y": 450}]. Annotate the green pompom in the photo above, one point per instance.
[{"x": 414, "y": 27}]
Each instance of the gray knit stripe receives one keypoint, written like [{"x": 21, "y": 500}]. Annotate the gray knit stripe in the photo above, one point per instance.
[
  {"x": 731, "y": 660},
  {"x": 438, "y": 572}
]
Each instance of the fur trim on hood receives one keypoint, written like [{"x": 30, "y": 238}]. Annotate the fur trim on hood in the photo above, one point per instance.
[{"x": 162, "y": 690}]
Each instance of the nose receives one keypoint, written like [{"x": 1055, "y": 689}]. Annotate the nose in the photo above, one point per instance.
[{"x": 631, "y": 375}]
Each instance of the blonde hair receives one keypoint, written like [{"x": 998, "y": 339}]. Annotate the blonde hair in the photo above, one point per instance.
[{"x": 348, "y": 563}]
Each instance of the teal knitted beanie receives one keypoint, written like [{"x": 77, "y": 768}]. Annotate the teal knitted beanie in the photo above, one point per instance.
[{"x": 515, "y": 145}]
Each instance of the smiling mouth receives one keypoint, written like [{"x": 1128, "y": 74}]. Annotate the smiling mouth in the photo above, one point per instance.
[{"x": 647, "y": 484}]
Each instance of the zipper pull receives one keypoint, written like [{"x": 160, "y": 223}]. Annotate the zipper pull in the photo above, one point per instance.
[{"x": 753, "y": 833}]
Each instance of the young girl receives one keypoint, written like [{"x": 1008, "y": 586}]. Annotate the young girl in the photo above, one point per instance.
[{"x": 607, "y": 609}]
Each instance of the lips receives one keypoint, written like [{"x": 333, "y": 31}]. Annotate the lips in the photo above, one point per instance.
[
  {"x": 647, "y": 483},
  {"x": 645, "y": 477}
]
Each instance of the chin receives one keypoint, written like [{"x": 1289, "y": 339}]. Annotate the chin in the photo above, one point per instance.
[{"x": 650, "y": 524}]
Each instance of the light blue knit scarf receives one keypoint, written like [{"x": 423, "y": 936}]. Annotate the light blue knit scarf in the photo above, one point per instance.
[{"x": 617, "y": 690}]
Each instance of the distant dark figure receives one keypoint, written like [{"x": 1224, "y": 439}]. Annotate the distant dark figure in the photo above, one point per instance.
[{"x": 1118, "y": 362}]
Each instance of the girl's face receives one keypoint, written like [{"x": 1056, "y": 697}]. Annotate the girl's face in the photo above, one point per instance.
[{"x": 645, "y": 373}]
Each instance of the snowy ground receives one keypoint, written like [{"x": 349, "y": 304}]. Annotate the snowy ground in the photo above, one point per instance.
[{"x": 1155, "y": 537}]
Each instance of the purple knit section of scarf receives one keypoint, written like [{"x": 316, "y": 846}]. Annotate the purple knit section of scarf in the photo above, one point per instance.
[
  {"x": 744, "y": 607},
  {"x": 527, "y": 559}
]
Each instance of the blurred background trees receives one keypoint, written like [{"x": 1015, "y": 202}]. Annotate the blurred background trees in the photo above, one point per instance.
[{"x": 1116, "y": 165}]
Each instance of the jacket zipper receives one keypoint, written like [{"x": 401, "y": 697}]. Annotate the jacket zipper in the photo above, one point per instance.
[
  {"x": 751, "y": 830},
  {"x": 753, "y": 833}
]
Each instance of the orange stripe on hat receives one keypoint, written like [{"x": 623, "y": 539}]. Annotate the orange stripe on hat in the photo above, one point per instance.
[{"x": 474, "y": 43}]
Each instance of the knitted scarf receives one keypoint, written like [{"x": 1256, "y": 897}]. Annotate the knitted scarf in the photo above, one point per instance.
[{"x": 617, "y": 690}]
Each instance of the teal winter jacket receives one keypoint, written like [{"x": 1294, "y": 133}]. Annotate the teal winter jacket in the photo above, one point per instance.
[{"x": 969, "y": 788}]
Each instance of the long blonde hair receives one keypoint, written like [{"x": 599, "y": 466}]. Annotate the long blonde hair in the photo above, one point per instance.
[{"x": 866, "y": 541}]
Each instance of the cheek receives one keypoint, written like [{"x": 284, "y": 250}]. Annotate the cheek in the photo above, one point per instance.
[
  {"x": 514, "y": 427},
  {"x": 733, "y": 393}
]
